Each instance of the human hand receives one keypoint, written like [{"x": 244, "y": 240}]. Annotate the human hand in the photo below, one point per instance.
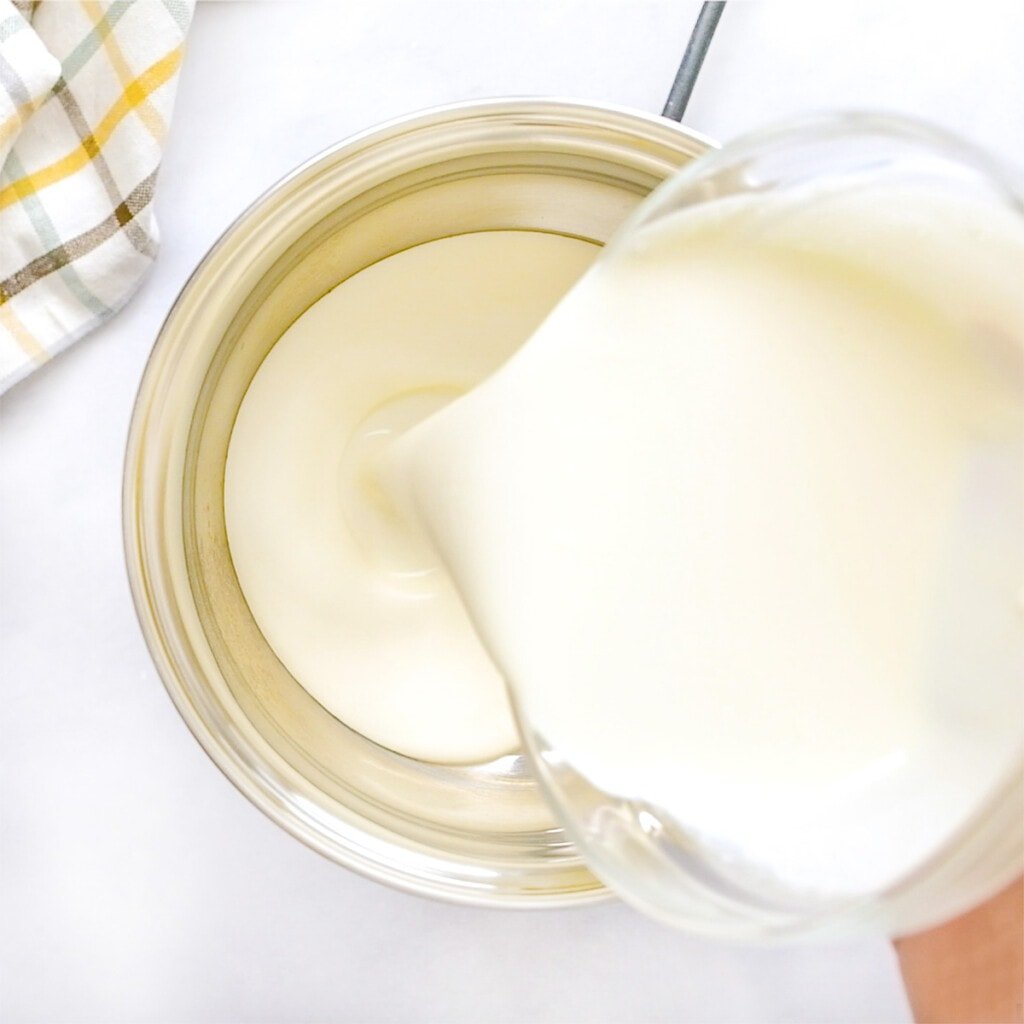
[{"x": 969, "y": 970}]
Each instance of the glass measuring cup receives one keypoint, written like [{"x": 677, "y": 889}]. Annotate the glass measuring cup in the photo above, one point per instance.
[{"x": 668, "y": 868}]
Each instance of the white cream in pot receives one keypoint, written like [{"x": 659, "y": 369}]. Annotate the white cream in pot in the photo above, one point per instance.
[{"x": 351, "y": 599}]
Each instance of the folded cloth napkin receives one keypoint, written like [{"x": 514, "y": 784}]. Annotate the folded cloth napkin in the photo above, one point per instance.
[{"x": 86, "y": 92}]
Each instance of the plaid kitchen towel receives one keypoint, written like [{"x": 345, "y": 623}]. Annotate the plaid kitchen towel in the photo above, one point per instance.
[{"x": 86, "y": 90}]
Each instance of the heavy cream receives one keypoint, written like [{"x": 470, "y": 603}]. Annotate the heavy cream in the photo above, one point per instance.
[
  {"x": 741, "y": 525},
  {"x": 349, "y": 596}
]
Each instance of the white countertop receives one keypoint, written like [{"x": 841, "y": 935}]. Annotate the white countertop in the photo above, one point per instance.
[{"x": 135, "y": 883}]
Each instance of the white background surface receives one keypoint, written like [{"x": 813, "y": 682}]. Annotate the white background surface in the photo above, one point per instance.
[{"x": 136, "y": 884}]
